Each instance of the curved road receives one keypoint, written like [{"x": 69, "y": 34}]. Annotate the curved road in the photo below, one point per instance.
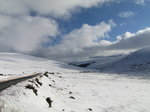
[{"x": 5, "y": 83}]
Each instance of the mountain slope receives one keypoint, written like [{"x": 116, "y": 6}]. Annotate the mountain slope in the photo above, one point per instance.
[
  {"x": 14, "y": 63},
  {"x": 138, "y": 61},
  {"x": 96, "y": 62},
  {"x": 69, "y": 89}
]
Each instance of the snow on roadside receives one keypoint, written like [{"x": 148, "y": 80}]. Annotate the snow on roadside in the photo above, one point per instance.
[
  {"x": 13, "y": 64},
  {"x": 69, "y": 89},
  {"x": 79, "y": 92}
]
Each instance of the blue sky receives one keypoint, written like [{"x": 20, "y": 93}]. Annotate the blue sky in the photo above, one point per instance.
[
  {"x": 92, "y": 16},
  {"x": 74, "y": 28}
]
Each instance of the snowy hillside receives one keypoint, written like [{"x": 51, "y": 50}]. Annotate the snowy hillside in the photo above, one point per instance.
[
  {"x": 69, "y": 89},
  {"x": 14, "y": 63},
  {"x": 138, "y": 61},
  {"x": 96, "y": 62}
]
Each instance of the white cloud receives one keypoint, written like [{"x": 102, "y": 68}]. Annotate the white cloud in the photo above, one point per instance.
[
  {"x": 46, "y": 7},
  {"x": 25, "y": 34},
  {"x": 74, "y": 43},
  {"x": 21, "y": 32},
  {"x": 126, "y": 14},
  {"x": 104, "y": 43},
  {"x": 131, "y": 41},
  {"x": 124, "y": 36},
  {"x": 124, "y": 44},
  {"x": 139, "y": 2}
]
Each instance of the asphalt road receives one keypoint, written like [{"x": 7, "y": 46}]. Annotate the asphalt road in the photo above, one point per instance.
[{"x": 5, "y": 83}]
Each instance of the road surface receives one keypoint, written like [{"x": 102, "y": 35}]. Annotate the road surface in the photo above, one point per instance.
[{"x": 5, "y": 83}]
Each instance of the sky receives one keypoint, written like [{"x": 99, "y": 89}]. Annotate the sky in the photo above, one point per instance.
[{"x": 68, "y": 29}]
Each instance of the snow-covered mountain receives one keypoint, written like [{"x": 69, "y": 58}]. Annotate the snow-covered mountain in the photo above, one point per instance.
[
  {"x": 96, "y": 62},
  {"x": 138, "y": 61},
  {"x": 15, "y": 63},
  {"x": 64, "y": 88}
]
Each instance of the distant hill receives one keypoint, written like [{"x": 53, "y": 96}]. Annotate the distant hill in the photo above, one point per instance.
[{"x": 137, "y": 61}]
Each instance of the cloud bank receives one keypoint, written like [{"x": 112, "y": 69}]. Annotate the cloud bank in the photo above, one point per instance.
[
  {"x": 74, "y": 43},
  {"x": 27, "y": 26},
  {"x": 125, "y": 43},
  {"x": 25, "y": 34},
  {"x": 130, "y": 41},
  {"x": 46, "y": 7}
]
